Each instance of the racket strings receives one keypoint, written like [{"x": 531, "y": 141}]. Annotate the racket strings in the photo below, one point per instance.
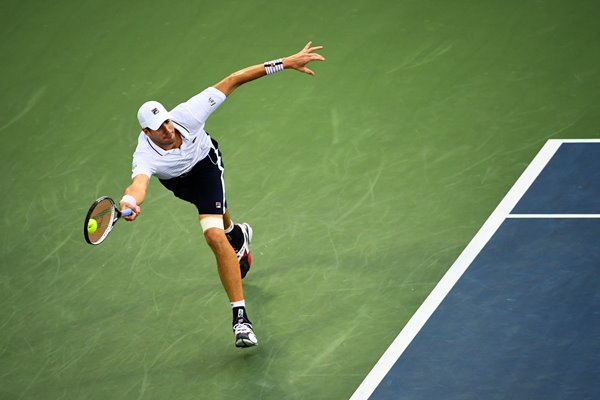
[{"x": 103, "y": 213}]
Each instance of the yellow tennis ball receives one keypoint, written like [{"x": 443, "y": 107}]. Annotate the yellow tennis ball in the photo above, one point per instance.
[{"x": 92, "y": 225}]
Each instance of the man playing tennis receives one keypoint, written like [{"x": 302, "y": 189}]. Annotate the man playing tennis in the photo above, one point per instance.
[{"x": 174, "y": 147}]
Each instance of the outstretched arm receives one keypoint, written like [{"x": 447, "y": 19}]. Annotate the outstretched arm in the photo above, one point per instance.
[{"x": 297, "y": 61}]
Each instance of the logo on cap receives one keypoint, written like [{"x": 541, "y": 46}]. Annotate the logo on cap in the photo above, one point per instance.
[{"x": 155, "y": 111}]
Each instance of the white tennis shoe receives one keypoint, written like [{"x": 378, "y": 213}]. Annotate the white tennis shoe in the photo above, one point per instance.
[
  {"x": 244, "y": 335},
  {"x": 243, "y": 253}
]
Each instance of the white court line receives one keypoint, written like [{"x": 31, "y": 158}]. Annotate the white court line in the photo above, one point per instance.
[
  {"x": 579, "y": 140},
  {"x": 553, "y": 216},
  {"x": 414, "y": 325}
]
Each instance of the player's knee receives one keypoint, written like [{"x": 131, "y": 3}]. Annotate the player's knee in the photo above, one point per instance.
[
  {"x": 215, "y": 238},
  {"x": 213, "y": 231}
]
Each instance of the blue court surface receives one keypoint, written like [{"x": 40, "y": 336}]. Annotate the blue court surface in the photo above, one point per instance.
[{"x": 517, "y": 316}]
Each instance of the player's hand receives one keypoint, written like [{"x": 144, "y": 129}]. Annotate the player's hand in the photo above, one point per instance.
[
  {"x": 136, "y": 210},
  {"x": 299, "y": 60}
]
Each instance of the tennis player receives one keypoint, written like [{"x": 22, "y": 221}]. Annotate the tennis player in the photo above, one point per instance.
[{"x": 174, "y": 147}]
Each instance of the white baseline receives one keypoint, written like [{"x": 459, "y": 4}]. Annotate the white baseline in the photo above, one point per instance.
[{"x": 553, "y": 216}]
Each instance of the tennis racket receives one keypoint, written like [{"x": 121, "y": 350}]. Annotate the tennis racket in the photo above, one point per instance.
[{"x": 106, "y": 214}]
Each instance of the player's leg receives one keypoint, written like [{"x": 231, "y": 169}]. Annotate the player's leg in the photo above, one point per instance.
[
  {"x": 227, "y": 262},
  {"x": 227, "y": 219},
  {"x": 229, "y": 272}
]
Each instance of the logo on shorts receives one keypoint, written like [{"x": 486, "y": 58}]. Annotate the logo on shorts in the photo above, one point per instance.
[
  {"x": 155, "y": 111},
  {"x": 218, "y": 204}
]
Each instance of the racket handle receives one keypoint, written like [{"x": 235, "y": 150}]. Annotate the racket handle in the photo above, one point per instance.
[{"x": 126, "y": 212}]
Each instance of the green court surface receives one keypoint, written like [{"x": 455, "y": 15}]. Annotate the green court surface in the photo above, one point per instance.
[{"x": 362, "y": 184}]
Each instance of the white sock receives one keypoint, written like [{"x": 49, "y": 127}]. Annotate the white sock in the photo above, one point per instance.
[
  {"x": 229, "y": 228},
  {"x": 241, "y": 303}
]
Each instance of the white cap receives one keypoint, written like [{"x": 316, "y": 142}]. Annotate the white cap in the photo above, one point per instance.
[{"x": 152, "y": 114}]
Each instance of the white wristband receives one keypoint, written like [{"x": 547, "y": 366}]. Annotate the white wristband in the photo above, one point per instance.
[
  {"x": 129, "y": 199},
  {"x": 274, "y": 66}
]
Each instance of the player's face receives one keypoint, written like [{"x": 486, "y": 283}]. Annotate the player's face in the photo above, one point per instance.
[{"x": 164, "y": 136}]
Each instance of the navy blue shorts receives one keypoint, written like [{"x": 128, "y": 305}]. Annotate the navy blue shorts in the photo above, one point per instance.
[{"x": 203, "y": 185}]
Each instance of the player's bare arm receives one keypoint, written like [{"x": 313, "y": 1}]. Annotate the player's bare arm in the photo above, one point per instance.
[
  {"x": 296, "y": 61},
  {"x": 137, "y": 191}
]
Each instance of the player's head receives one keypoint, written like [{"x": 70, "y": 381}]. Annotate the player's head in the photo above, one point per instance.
[{"x": 152, "y": 114}]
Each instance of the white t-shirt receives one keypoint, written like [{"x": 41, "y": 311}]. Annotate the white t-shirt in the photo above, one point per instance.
[{"x": 188, "y": 119}]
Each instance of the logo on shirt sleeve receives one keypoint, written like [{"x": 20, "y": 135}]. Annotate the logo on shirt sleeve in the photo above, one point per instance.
[{"x": 211, "y": 101}]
